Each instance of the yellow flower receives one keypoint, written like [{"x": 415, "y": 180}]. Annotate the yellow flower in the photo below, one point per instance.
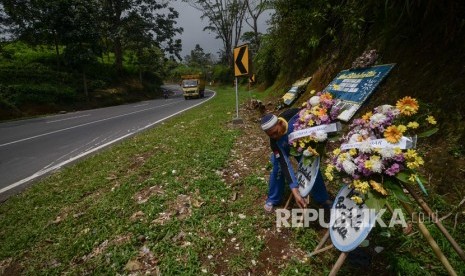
[
  {"x": 326, "y": 96},
  {"x": 367, "y": 116},
  {"x": 368, "y": 164},
  {"x": 392, "y": 134},
  {"x": 413, "y": 125},
  {"x": 397, "y": 150},
  {"x": 378, "y": 187},
  {"x": 412, "y": 177},
  {"x": 407, "y": 106},
  {"x": 411, "y": 154},
  {"x": 310, "y": 123},
  {"x": 361, "y": 186},
  {"x": 312, "y": 151},
  {"x": 415, "y": 163},
  {"x": 337, "y": 151},
  {"x": 312, "y": 92},
  {"x": 353, "y": 152},
  {"x": 402, "y": 128},
  {"x": 329, "y": 172},
  {"x": 358, "y": 200},
  {"x": 431, "y": 120}
]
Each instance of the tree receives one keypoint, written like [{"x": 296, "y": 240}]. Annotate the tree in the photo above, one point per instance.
[
  {"x": 255, "y": 8},
  {"x": 198, "y": 58},
  {"x": 81, "y": 42},
  {"x": 41, "y": 21},
  {"x": 123, "y": 17},
  {"x": 225, "y": 19}
]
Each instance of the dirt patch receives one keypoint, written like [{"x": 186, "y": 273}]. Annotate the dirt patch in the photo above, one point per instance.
[
  {"x": 249, "y": 155},
  {"x": 181, "y": 208}
]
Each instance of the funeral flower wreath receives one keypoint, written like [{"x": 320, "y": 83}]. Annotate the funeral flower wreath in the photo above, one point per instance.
[
  {"x": 315, "y": 121},
  {"x": 379, "y": 150}
]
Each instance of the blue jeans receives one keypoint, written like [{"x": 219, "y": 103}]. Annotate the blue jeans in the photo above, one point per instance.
[{"x": 277, "y": 181}]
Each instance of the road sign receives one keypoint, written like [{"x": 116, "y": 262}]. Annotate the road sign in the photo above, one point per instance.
[
  {"x": 241, "y": 60},
  {"x": 252, "y": 78}
]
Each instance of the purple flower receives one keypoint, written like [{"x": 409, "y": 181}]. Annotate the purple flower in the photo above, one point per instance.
[{"x": 393, "y": 170}]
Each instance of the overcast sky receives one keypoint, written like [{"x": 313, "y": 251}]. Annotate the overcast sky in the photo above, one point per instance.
[{"x": 189, "y": 20}]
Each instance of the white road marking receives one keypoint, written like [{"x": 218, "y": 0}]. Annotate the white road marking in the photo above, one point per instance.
[
  {"x": 141, "y": 105},
  {"x": 89, "y": 123},
  {"x": 57, "y": 166},
  {"x": 71, "y": 118}
]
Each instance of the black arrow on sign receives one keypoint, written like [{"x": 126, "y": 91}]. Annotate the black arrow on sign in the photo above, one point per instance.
[{"x": 239, "y": 64}]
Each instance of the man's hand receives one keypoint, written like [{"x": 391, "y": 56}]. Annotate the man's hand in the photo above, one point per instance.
[{"x": 300, "y": 200}]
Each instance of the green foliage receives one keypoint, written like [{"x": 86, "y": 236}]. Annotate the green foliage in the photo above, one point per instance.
[
  {"x": 198, "y": 58},
  {"x": 303, "y": 32},
  {"x": 267, "y": 65},
  {"x": 20, "y": 94},
  {"x": 222, "y": 74}
]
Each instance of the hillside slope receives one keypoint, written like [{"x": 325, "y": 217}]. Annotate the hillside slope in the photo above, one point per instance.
[{"x": 427, "y": 48}]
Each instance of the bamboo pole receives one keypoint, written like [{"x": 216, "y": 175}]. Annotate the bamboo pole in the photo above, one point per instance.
[
  {"x": 323, "y": 240},
  {"x": 436, "y": 221},
  {"x": 338, "y": 264},
  {"x": 288, "y": 201},
  {"x": 437, "y": 251},
  {"x": 326, "y": 248}
]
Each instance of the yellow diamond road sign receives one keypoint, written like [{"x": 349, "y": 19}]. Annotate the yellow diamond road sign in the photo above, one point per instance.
[{"x": 241, "y": 61}]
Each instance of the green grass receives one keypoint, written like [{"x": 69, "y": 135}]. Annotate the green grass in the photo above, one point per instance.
[
  {"x": 87, "y": 219},
  {"x": 54, "y": 226}
]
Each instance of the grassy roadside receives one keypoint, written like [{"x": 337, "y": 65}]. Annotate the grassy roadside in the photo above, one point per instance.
[
  {"x": 141, "y": 205},
  {"x": 183, "y": 198}
]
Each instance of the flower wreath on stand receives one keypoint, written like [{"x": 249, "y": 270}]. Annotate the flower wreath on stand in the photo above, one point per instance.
[
  {"x": 379, "y": 150},
  {"x": 315, "y": 121}
]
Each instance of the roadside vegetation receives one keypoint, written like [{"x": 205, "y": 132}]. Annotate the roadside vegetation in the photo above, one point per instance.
[{"x": 184, "y": 198}]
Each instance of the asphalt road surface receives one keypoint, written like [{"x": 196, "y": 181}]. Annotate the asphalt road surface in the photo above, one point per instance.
[{"x": 30, "y": 149}]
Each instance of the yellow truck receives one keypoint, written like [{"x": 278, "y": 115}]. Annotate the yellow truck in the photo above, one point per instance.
[{"x": 193, "y": 86}]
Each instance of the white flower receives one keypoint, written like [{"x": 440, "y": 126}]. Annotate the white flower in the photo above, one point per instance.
[
  {"x": 320, "y": 136},
  {"x": 377, "y": 165},
  {"x": 349, "y": 167},
  {"x": 355, "y": 138},
  {"x": 315, "y": 100},
  {"x": 307, "y": 153},
  {"x": 378, "y": 119},
  {"x": 387, "y": 153},
  {"x": 365, "y": 147},
  {"x": 385, "y": 109}
]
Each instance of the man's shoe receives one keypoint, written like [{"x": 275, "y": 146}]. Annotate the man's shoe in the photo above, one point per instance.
[{"x": 269, "y": 208}]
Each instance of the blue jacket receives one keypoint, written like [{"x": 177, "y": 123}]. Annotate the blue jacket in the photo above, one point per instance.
[{"x": 281, "y": 148}]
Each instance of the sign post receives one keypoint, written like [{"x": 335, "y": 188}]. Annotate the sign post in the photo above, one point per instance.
[{"x": 241, "y": 68}]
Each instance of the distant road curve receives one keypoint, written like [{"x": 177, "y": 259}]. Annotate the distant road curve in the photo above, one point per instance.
[{"x": 33, "y": 148}]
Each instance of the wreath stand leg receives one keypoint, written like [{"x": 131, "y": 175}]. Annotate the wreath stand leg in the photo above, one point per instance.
[
  {"x": 436, "y": 221},
  {"x": 291, "y": 196},
  {"x": 338, "y": 264},
  {"x": 319, "y": 248},
  {"x": 424, "y": 231}
]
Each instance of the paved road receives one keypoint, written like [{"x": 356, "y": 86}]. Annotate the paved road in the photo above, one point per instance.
[{"x": 33, "y": 148}]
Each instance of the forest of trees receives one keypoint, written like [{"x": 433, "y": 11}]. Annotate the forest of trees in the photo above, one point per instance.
[{"x": 90, "y": 45}]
